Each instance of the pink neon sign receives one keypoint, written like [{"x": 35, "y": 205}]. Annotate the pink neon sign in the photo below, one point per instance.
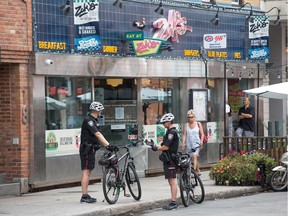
[{"x": 173, "y": 27}]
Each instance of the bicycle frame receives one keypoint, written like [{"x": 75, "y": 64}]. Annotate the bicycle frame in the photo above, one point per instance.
[{"x": 127, "y": 157}]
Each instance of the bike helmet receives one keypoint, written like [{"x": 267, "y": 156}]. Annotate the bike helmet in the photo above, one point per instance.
[
  {"x": 167, "y": 118},
  {"x": 97, "y": 106}
]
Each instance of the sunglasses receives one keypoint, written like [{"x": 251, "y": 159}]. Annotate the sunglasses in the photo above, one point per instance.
[{"x": 191, "y": 116}]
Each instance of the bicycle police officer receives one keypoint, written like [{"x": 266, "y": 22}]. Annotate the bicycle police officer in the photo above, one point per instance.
[
  {"x": 90, "y": 143},
  {"x": 169, "y": 147}
]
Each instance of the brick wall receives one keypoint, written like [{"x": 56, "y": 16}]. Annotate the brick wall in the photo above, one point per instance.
[
  {"x": 14, "y": 158},
  {"x": 15, "y": 51}
]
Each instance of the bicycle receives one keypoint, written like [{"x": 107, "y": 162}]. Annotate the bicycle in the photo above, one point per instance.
[
  {"x": 114, "y": 179},
  {"x": 190, "y": 184}
]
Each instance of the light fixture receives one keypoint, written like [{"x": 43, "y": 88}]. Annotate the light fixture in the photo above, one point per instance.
[
  {"x": 160, "y": 9},
  {"x": 66, "y": 8},
  {"x": 250, "y": 16},
  {"x": 240, "y": 77},
  {"x": 277, "y": 21},
  {"x": 266, "y": 75},
  {"x": 278, "y": 75},
  {"x": 215, "y": 20},
  {"x": 232, "y": 73},
  {"x": 118, "y": 3}
]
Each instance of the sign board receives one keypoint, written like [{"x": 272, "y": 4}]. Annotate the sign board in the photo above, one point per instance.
[
  {"x": 215, "y": 41},
  {"x": 139, "y": 35}
]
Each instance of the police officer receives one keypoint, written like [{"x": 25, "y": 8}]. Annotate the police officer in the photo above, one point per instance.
[
  {"x": 90, "y": 143},
  {"x": 169, "y": 147}
]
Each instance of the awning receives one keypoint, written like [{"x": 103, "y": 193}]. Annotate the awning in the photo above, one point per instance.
[{"x": 276, "y": 91}]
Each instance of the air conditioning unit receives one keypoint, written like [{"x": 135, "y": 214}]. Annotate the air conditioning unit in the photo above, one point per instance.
[{"x": 236, "y": 2}]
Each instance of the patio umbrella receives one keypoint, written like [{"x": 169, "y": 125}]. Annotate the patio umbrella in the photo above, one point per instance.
[
  {"x": 53, "y": 104},
  {"x": 275, "y": 91}
]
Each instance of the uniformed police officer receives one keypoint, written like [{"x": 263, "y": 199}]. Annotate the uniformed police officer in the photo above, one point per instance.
[
  {"x": 169, "y": 147},
  {"x": 90, "y": 142}
]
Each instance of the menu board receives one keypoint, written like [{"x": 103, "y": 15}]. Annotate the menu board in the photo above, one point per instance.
[{"x": 198, "y": 101}]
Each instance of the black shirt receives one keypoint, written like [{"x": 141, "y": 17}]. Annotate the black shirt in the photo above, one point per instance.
[
  {"x": 171, "y": 140},
  {"x": 247, "y": 123},
  {"x": 90, "y": 126}
]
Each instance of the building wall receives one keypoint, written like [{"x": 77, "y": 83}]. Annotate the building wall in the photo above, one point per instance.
[{"x": 15, "y": 50}]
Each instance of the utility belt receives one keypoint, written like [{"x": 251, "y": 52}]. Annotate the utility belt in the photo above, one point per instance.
[
  {"x": 88, "y": 146},
  {"x": 166, "y": 156}
]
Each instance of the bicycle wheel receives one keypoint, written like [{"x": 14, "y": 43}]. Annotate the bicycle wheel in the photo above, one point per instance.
[
  {"x": 198, "y": 193},
  {"x": 110, "y": 189},
  {"x": 185, "y": 189},
  {"x": 133, "y": 182}
]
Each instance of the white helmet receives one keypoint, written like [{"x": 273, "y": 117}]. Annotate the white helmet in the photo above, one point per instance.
[
  {"x": 167, "y": 118},
  {"x": 97, "y": 106}
]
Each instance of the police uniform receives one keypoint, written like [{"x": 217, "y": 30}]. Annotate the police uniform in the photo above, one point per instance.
[
  {"x": 171, "y": 140},
  {"x": 89, "y": 142}
]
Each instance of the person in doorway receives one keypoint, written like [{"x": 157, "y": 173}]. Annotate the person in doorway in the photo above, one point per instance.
[
  {"x": 169, "y": 148},
  {"x": 90, "y": 143},
  {"x": 192, "y": 141},
  {"x": 246, "y": 120}
]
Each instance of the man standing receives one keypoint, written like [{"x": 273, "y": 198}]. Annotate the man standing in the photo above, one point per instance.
[
  {"x": 90, "y": 143},
  {"x": 246, "y": 120},
  {"x": 169, "y": 147}
]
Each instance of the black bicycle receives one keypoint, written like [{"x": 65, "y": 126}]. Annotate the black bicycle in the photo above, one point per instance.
[
  {"x": 190, "y": 184},
  {"x": 115, "y": 179}
]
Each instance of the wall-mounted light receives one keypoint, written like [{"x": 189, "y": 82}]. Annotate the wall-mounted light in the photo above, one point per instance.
[
  {"x": 277, "y": 21},
  {"x": 250, "y": 16},
  {"x": 66, "y": 8},
  {"x": 215, "y": 20},
  {"x": 160, "y": 9},
  {"x": 278, "y": 76},
  {"x": 118, "y": 3}
]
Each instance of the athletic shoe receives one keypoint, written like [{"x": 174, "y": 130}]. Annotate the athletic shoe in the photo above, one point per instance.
[
  {"x": 86, "y": 198},
  {"x": 171, "y": 206}
]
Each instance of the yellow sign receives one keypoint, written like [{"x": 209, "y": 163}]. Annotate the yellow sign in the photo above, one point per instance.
[
  {"x": 146, "y": 47},
  {"x": 110, "y": 49},
  {"x": 237, "y": 55},
  {"x": 50, "y": 45},
  {"x": 215, "y": 54},
  {"x": 192, "y": 53}
]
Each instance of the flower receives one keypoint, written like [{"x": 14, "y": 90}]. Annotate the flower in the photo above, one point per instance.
[{"x": 245, "y": 168}]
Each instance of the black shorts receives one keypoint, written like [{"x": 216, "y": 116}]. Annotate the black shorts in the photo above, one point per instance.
[
  {"x": 170, "y": 169},
  {"x": 88, "y": 161}
]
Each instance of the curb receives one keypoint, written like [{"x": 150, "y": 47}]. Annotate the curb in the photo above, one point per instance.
[{"x": 135, "y": 208}]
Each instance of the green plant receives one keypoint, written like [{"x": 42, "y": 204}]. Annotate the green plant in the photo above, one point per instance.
[{"x": 241, "y": 169}]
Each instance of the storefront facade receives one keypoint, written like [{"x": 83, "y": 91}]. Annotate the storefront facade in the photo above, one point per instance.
[
  {"x": 95, "y": 52},
  {"x": 138, "y": 74}
]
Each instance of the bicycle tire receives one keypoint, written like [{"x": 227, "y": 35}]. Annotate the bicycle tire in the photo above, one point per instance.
[
  {"x": 111, "y": 190},
  {"x": 184, "y": 187},
  {"x": 133, "y": 182},
  {"x": 198, "y": 193}
]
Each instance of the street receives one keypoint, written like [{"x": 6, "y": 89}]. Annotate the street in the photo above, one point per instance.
[{"x": 263, "y": 204}]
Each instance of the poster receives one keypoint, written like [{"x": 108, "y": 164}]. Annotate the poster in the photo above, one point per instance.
[
  {"x": 86, "y": 25},
  {"x": 62, "y": 142}
]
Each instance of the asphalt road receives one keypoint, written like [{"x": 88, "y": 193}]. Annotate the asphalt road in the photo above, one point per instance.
[{"x": 262, "y": 204}]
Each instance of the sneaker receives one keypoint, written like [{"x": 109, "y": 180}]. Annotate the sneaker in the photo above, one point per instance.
[
  {"x": 170, "y": 206},
  {"x": 86, "y": 198}
]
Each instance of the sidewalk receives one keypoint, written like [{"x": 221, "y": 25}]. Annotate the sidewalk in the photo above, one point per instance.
[{"x": 66, "y": 201}]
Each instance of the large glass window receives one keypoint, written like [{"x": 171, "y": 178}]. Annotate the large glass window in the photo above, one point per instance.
[
  {"x": 119, "y": 119},
  {"x": 156, "y": 99},
  {"x": 67, "y": 102}
]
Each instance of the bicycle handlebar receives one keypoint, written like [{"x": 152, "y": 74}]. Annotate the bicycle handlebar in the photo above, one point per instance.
[{"x": 114, "y": 148}]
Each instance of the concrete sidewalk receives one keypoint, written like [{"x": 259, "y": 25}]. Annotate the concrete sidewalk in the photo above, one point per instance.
[{"x": 66, "y": 201}]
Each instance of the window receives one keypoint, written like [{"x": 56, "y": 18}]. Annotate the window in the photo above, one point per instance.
[
  {"x": 67, "y": 102},
  {"x": 156, "y": 99}
]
